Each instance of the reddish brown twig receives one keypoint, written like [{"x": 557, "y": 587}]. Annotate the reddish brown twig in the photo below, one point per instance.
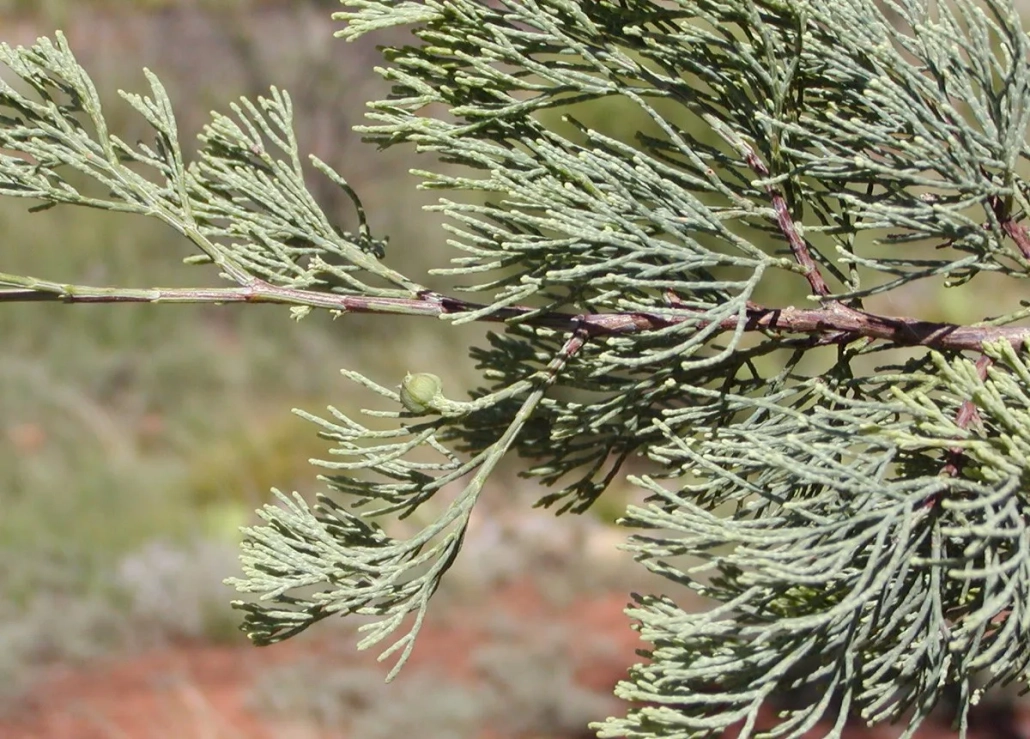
[
  {"x": 798, "y": 245},
  {"x": 836, "y": 321},
  {"x": 1015, "y": 231}
]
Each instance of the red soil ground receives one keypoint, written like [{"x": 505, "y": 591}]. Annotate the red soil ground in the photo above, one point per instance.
[{"x": 205, "y": 691}]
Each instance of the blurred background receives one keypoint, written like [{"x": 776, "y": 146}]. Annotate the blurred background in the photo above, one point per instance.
[{"x": 135, "y": 440}]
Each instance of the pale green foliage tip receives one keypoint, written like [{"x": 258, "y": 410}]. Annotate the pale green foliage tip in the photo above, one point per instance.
[{"x": 861, "y": 530}]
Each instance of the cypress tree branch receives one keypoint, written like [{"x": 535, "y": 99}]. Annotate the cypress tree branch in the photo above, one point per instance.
[
  {"x": 1014, "y": 230},
  {"x": 836, "y": 324},
  {"x": 862, "y": 541},
  {"x": 786, "y": 224}
]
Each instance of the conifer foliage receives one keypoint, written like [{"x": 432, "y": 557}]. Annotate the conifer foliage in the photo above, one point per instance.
[{"x": 847, "y": 485}]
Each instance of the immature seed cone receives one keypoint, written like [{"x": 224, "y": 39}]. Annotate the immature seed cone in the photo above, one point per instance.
[{"x": 420, "y": 391}]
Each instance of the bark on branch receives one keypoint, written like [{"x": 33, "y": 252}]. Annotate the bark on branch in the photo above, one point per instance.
[{"x": 832, "y": 324}]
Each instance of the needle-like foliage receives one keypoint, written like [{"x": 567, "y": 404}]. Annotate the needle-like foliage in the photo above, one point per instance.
[{"x": 847, "y": 486}]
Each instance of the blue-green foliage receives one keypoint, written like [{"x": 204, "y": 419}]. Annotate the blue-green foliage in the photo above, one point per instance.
[{"x": 855, "y": 511}]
